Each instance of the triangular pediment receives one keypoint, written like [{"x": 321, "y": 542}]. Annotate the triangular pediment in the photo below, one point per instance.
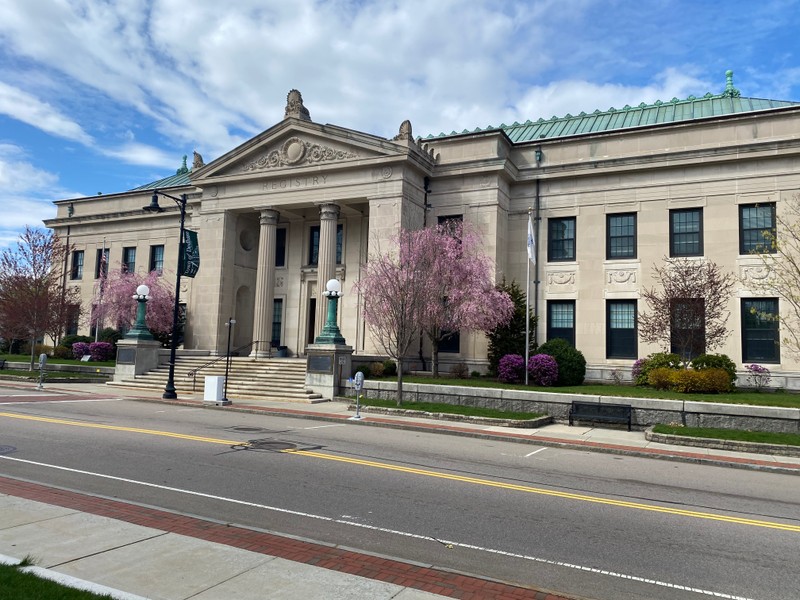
[{"x": 298, "y": 145}]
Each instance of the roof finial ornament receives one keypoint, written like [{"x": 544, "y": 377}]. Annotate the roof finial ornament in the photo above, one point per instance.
[
  {"x": 405, "y": 132},
  {"x": 197, "y": 163},
  {"x": 730, "y": 91},
  {"x": 184, "y": 169},
  {"x": 295, "y": 108}
]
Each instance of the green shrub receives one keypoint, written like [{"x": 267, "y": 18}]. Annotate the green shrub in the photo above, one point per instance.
[
  {"x": 376, "y": 369},
  {"x": 658, "y": 360},
  {"x": 571, "y": 363},
  {"x": 68, "y": 340},
  {"x": 715, "y": 361},
  {"x": 389, "y": 368},
  {"x": 42, "y": 349},
  {"x": 62, "y": 352},
  {"x": 362, "y": 369},
  {"x": 704, "y": 381},
  {"x": 110, "y": 335},
  {"x": 475, "y": 374},
  {"x": 459, "y": 370},
  {"x": 661, "y": 378}
]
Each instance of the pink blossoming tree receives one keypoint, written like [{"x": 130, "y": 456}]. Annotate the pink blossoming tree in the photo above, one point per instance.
[
  {"x": 117, "y": 306},
  {"x": 431, "y": 281},
  {"x": 462, "y": 295}
]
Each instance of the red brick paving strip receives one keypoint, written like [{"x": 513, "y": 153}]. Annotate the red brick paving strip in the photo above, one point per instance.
[{"x": 438, "y": 581}]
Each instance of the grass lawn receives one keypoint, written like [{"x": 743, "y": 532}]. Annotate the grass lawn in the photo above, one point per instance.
[
  {"x": 51, "y": 374},
  {"x": 433, "y": 407},
  {"x": 763, "y": 437},
  {"x": 26, "y": 358},
  {"x": 782, "y": 399},
  {"x": 26, "y": 586}
]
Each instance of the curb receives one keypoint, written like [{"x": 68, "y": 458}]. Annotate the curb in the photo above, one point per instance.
[
  {"x": 716, "y": 444},
  {"x": 69, "y": 580},
  {"x": 521, "y": 424}
]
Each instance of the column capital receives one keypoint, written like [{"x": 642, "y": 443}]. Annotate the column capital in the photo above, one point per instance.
[
  {"x": 329, "y": 212},
  {"x": 269, "y": 217}
]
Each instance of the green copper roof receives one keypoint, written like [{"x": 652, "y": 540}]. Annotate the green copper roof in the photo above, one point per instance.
[
  {"x": 181, "y": 178},
  {"x": 728, "y": 103}
]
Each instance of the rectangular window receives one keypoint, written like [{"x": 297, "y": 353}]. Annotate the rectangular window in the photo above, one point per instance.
[
  {"x": 621, "y": 329},
  {"x": 621, "y": 236},
  {"x": 760, "y": 336},
  {"x": 77, "y": 265},
  {"x": 561, "y": 320},
  {"x": 157, "y": 259},
  {"x": 452, "y": 343},
  {"x": 280, "y": 247},
  {"x": 313, "y": 244},
  {"x": 101, "y": 263},
  {"x": 277, "y": 320},
  {"x": 757, "y": 228},
  {"x": 561, "y": 239},
  {"x": 686, "y": 232},
  {"x": 687, "y": 327},
  {"x": 129, "y": 259}
]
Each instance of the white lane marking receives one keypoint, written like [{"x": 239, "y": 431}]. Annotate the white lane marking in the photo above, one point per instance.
[
  {"x": 324, "y": 426},
  {"x": 536, "y": 559},
  {"x": 534, "y": 452}
]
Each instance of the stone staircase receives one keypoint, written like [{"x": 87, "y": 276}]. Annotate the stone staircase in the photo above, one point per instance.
[{"x": 277, "y": 379}]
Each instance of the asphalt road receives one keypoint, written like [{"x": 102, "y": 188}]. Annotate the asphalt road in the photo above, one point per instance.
[{"x": 595, "y": 525}]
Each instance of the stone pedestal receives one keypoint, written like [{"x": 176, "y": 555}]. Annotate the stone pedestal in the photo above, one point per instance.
[
  {"x": 327, "y": 367},
  {"x": 135, "y": 356}
]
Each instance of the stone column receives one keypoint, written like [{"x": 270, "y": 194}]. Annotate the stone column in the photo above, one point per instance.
[
  {"x": 326, "y": 265},
  {"x": 265, "y": 282}
]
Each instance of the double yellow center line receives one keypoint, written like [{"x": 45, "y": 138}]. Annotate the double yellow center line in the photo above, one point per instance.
[{"x": 436, "y": 474}]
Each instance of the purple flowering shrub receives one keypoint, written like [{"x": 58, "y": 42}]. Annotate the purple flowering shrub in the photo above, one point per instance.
[
  {"x": 510, "y": 368},
  {"x": 636, "y": 371},
  {"x": 100, "y": 351},
  {"x": 758, "y": 376},
  {"x": 79, "y": 349},
  {"x": 542, "y": 370}
]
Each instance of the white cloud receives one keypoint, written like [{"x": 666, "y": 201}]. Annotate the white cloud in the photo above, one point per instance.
[
  {"x": 140, "y": 154},
  {"x": 25, "y": 107},
  {"x": 26, "y": 193}
]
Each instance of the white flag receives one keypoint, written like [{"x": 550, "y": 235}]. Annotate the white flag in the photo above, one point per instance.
[{"x": 531, "y": 242}]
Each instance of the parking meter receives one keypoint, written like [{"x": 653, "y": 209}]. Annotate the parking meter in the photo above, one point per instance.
[
  {"x": 42, "y": 363},
  {"x": 358, "y": 384}
]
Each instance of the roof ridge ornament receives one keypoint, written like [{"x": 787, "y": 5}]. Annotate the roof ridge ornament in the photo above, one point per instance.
[
  {"x": 730, "y": 91},
  {"x": 184, "y": 169},
  {"x": 295, "y": 108},
  {"x": 404, "y": 134}
]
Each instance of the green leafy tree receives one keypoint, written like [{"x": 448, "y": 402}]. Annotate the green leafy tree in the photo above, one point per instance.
[
  {"x": 34, "y": 301},
  {"x": 510, "y": 337}
]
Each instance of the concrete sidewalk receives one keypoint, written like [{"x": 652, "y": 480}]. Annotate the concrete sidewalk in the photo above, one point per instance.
[{"x": 140, "y": 552}]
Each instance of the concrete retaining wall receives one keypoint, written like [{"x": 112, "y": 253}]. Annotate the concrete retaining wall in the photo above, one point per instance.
[{"x": 646, "y": 411}]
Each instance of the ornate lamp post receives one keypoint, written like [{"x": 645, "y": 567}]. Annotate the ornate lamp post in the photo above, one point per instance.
[
  {"x": 140, "y": 330},
  {"x": 330, "y": 333},
  {"x": 169, "y": 389}
]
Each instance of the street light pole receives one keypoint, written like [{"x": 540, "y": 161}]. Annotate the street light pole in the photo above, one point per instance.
[
  {"x": 231, "y": 323},
  {"x": 169, "y": 389}
]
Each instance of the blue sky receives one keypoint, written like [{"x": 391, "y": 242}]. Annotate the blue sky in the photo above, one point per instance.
[{"x": 103, "y": 96}]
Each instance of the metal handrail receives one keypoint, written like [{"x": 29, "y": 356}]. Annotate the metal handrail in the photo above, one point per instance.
[{"x": 193, "y": 372}]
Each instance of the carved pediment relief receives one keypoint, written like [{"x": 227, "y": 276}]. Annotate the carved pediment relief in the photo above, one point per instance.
[
  {"x": 621, "y": 276},
  {"x": 296, "y": 151}
]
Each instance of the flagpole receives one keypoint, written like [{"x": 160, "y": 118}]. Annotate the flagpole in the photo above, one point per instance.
[
  {"x": 101, "y": 269},
  {"x": 528, "y": 299}
]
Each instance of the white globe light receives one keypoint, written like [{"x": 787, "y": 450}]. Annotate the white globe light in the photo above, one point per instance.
[
  {"x": 333, "y": 286},
  {"x": 142, "y": 290}
]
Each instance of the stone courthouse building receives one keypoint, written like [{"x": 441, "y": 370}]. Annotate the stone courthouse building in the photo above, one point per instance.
[{"x": 612, "y": 193}]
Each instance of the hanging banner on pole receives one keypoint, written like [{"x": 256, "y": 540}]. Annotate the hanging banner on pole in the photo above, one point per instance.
[{"x": 191, "y": 253}]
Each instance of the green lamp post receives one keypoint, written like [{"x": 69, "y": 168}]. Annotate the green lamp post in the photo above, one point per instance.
[
  {"x": 330, "y": 333},
  {"x": 140, "y": 330}
]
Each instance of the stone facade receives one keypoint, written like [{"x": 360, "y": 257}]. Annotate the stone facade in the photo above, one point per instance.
[{"x": 303, "y": 202}]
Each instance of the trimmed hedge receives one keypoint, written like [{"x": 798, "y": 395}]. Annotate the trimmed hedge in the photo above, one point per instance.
[
  {"x": 697, "y": 381},
  {"x": 571, "y": 363}
]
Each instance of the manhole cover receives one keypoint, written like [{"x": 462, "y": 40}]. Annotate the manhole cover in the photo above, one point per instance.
[
  {"x": 247, "y": 429},
  {"x": 7, "y": 449},
  {"x": 274, "y": 445}
]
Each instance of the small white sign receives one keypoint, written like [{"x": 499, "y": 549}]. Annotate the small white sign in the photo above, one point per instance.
[{"x": 358, "y": 381}]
